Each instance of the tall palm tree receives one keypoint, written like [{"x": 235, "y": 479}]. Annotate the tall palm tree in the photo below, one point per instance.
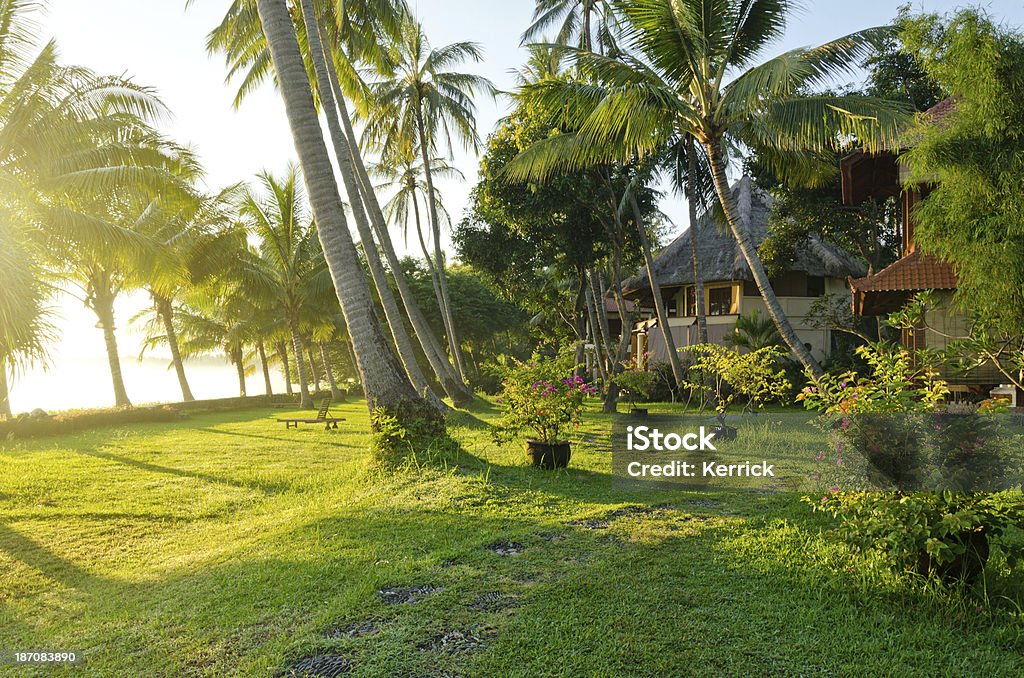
[
  {"x": 691, "y": 70},
  {"x": 350, "y": 32},
  {"x": 384, "y": 381},
  {"x": 65, "y": 138},
  {"x": 417, "y": 105},
  {"x": 24, "y": 315}
]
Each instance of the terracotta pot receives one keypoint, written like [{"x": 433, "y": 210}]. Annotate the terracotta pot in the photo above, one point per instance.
[{"x": 548, "y": 455}]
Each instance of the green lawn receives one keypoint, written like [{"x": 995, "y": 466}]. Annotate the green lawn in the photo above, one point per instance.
[{"x": 225, "y": 545}]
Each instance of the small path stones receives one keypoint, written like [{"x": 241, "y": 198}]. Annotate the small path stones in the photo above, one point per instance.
[
  {"x": 592, "y": 523},
  {"x": 393, "y": 595},
  {"x": 321, "y": 666},
  {"x": 503, "y": 547},
  {"x": 359, "y": 629},
  {"x": 454, "y": 641}
]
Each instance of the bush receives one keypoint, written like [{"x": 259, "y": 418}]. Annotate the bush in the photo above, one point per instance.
[
  {"x": 28, "y": 426},
  {"x": 542, "y": 397},
  {"x": 947, "y": 534}
]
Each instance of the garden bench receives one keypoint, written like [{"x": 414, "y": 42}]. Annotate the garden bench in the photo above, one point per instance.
[{"x": 322, "y": 417}]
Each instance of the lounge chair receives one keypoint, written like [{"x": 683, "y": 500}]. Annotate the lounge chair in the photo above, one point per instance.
[{"x": 322, "y": 417}]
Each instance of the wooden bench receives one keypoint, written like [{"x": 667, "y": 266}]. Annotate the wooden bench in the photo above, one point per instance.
[{"x": 322, "y": 417}]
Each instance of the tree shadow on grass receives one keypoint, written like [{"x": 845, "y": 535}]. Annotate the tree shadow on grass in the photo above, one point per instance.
[
  {"x": 267, "y": 488},
  {"x": 650, "y": 602},
  {"x": 282, "y": 439}
]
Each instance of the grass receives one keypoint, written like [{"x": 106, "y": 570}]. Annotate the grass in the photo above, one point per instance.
[{"x": 225, "y": 545}]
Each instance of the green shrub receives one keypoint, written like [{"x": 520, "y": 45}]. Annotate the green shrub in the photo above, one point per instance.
[
  {"x": 945, "y": 533},
  {"x": 29, "y": 426}
]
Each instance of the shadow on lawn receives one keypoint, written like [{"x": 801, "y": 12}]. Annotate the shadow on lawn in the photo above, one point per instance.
[
  {"x": 267, "y": 488},
  {"x": 576, "y": 588}
]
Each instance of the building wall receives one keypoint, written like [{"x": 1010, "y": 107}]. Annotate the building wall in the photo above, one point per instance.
[{"x": 684, "y": 328}]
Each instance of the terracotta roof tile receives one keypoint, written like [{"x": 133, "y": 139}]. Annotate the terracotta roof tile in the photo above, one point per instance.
[{"x": 915, "y": 272}]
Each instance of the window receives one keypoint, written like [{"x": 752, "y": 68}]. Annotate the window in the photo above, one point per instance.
[
  {"x": 815, "y": 286},
  {"x": 671, "y": 305},
  {"x": 690, "y": 302},
  {"x": 720, "y": 301}
]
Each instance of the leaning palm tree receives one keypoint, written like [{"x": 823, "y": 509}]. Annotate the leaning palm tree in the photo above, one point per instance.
[
  {"x": 337, "y": 39},
  {"x": 417, "y": 105},
  {"x": 691, "y": 70},
  {"x": 405, "y": 180}
]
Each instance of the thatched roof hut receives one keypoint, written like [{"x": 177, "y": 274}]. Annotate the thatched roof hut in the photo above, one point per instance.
[{"x": 720, "y": 256}]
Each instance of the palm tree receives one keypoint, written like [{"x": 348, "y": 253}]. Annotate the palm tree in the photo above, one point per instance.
[
  {"x": 384, "y": 381},
  {"x": 288, "y": 265},
  {"x": 578, "y": 21},
  {"x": 65, "y": 138},
  {"x": 354, "y": 26},
  {"x": 691, "y": 71},
  {"x": 754, "y": 332},
  {"x": 24, "y": 315},
  {"x": 405, "y": 178},
  {"x": 417, "y": 104}
]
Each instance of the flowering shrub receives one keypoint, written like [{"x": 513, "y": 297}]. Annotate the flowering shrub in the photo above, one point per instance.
[
  {"x": 889, "y": 430},
  {"x": 543, "y": 398}
]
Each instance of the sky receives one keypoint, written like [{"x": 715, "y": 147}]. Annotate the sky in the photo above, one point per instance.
[{"x": 162, "y": 45}]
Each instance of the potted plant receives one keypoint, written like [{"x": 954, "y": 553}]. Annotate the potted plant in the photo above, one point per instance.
[
  {"x": 637, "y": 383},
  {"x": 543, "y": 399},
  {"x": 724, "y": 374}
]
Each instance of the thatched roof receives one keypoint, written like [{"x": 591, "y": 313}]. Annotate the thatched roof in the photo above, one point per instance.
[{"x": 720, "y": 256}]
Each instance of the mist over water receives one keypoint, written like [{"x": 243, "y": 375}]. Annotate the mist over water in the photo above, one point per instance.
[{"x": 78, "y": 375}]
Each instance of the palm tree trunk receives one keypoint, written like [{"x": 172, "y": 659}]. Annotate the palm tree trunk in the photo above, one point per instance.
[
  {"x": 698, "y": 282},
  {"x": 239, "y": 362},
  {"x": 282, "y": 354},
  {"x": 166, "y": 313},
  {"x": 5, "y": 392},
  {"x": 343, "y": 154},
  {"x": 739, "y": 232},
  {"x": 385, "y": 383},
  {"x": 313, "y": 371},
  {"x": 597, "y": 289},
  {"x": 457, "y": 391},
  {"x": 102, "y": 302},
  {"x": 453, "y": 339},
  {"x": 659, "y": 303},
  {"x": 300, "y": 365},
  {"x": 335, "y": 393},
  {"x": 595, "y": 332},
  {"x": 261, "y": 349}
]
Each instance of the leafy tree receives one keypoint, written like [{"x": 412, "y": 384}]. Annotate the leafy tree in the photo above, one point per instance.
[{"x": 974, "y": 217}]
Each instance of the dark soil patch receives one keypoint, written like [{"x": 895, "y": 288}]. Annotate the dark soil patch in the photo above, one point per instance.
[
  {"x": 592, "y": 523},
  {"x": 393, "y": 595},
  {"x": 494, "y": 601}
]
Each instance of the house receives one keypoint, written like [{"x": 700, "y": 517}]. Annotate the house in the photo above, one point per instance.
[
  {"x": 729, "y": 291},
  {"x": 878, "y": 175}
]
